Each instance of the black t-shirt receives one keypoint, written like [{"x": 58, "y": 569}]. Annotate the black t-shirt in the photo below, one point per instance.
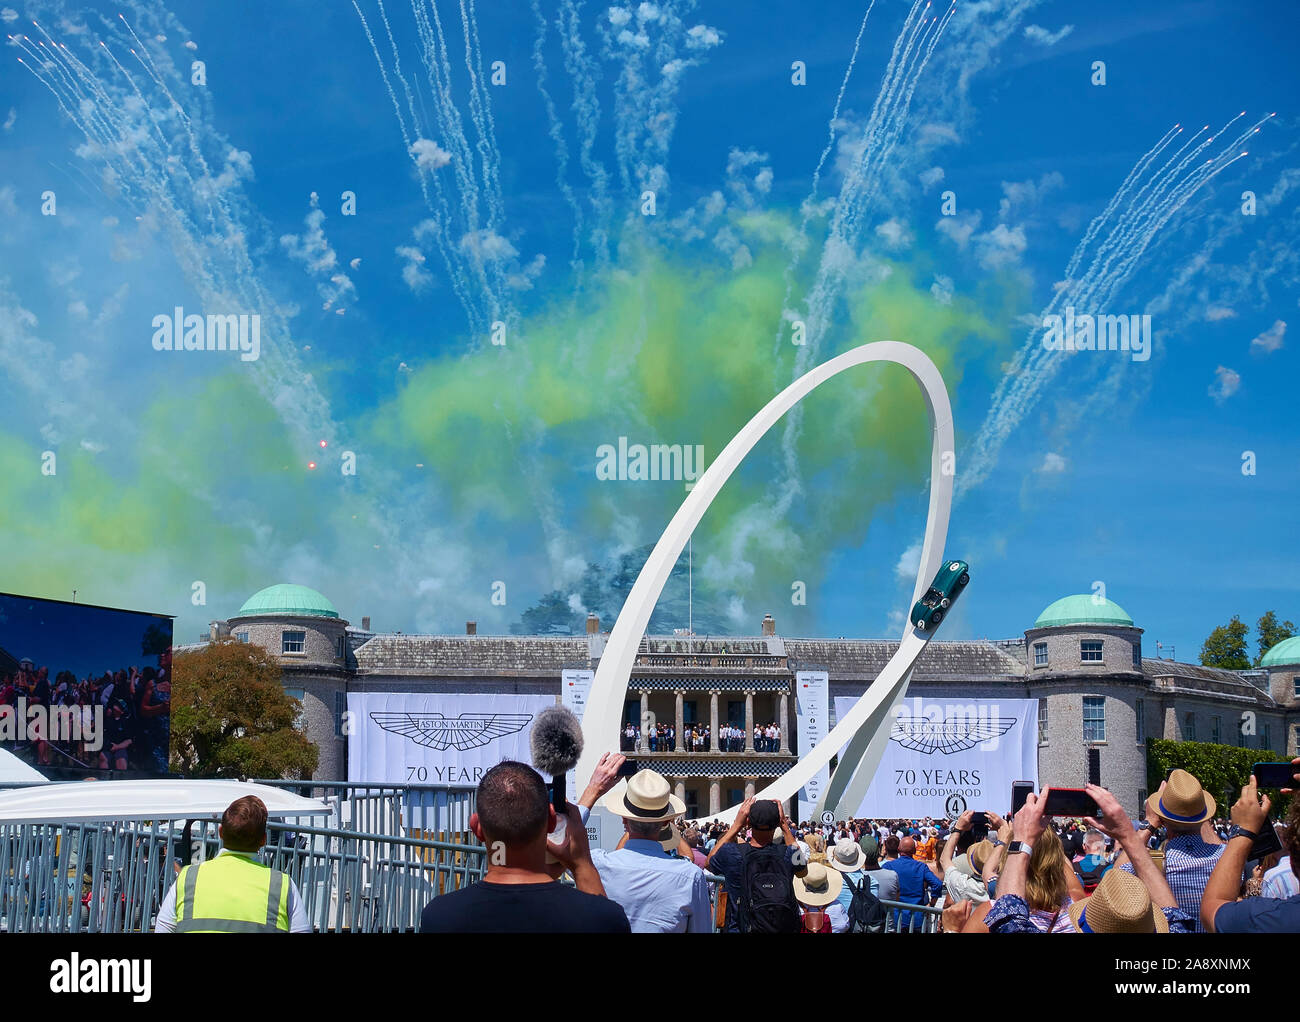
[{"x": 522, "y": 908}]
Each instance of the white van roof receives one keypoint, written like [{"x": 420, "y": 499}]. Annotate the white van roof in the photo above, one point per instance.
[{"x": 162, "y": 799}]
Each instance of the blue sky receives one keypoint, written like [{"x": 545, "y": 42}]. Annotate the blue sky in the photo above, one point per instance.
[{"x": 183, "y": 476}]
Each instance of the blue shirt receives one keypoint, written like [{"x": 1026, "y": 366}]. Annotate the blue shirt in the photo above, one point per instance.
[
  {"x": 1189, "y": 861},
  {"x": 917, "y": 885},
  {"x": 1259, "y": 915}
]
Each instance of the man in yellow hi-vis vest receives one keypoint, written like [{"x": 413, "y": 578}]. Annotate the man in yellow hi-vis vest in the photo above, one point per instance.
[{"x": 234, "y": 893}]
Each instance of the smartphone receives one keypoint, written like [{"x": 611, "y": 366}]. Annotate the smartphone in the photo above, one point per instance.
[
  {"x": 1266, "y": 844},
  {"x": 1275, "y": 775},
  {"x": 629, "y": 767},
  {"x": 979, "y": 820},
  {"x": 1020, "y": 790},
  {"x": 1069, "y": 802}
]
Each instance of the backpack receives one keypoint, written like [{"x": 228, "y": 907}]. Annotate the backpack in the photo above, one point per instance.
[
  {"x": 767, "y": 902},
  {"x": 866, "y": 914}
]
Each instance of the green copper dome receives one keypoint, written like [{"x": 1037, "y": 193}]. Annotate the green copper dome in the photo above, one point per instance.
[
  {"x": 1285, "y": 652},
  {"x": 1083, "y": 610},
  {"x": 287, "y": 600}
]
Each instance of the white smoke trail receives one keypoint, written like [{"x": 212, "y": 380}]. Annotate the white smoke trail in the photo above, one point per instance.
[{"x": 556, "y": 130}]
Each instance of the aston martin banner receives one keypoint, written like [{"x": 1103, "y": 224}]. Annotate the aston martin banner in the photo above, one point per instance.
[
  {"x": 945, "y": 757},
  {"x": 812, "y": 707},
  {"x": 437, "y": 738}
]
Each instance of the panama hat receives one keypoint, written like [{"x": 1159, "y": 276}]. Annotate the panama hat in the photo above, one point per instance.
[
  {"x": 971, "y": 862},
  {"x": 848, "y": 857},
  {"x": 645, "y": 797},
  {"x": 1183, "y": 800},
  {"x": 820, "y": 887},
  {"x": 1120, "y": 904},
  {"x": 670, "y": 837}
]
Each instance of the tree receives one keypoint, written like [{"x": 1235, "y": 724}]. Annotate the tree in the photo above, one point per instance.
[
  {"x": 231, "y": 717},
  {"x": 1271, "y": 632},
  {"x": 1223, "y": 770},
  {"x": 155, "y": 641},
  {"x": 1226, "y": 646}
]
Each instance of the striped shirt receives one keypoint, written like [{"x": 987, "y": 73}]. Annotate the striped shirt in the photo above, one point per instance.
[
  {"x": 1280, "y": 881},
  {"x": 1189, "y": 861}
]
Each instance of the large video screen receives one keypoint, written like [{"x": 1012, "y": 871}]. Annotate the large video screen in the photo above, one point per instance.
[{"x": 84, "y": 690}]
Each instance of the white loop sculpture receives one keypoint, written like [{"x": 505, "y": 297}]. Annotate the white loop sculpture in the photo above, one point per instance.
[{"x": 861, "y": 729}]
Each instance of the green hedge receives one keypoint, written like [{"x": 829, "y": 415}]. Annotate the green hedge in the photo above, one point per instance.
[{"x": 1222, "y": 769}]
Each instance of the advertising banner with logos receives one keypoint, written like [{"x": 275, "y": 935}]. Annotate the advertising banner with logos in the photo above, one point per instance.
[
  {"x": 944, "y": 757},
  {"x": 575, "y": 684},
  {"x": 812, "y": 706},
  {"x": 438, "y": 738}
]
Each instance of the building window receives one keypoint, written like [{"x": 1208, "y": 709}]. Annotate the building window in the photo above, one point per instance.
[
  {"x": 241, "y": 636},
  {"x": 340, "y": 713},
  {"x": 1216, "y": 735},
  {"x": 1090, "y": 651},
  {"x": 1094, "y": 718},
  {"x": 1141, "y": 722},
  {"x": 1142, "y": 796},
  {"x": 1295, "y": 687},
  {"x": 293, "y": 642},
  {"x": 1266, "y": 737},
  {"x": 1042, "y": 721},
  {"x": 343, "y": 647},
  {"x": 1137, "y": 656},
  {"x": 690, "y": 712},
  {"x": 300, "y": 721},
  {"x": 1243, "y": 739},
  {"x": 1189, "y": 726},
  {"x": 1040, "y": 654}
]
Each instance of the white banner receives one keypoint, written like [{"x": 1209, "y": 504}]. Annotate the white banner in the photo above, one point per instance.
[
  {"x": 574, "y": 686},
  {"x": 812, "y": 704},
  {"x": 944, "y": 757}
]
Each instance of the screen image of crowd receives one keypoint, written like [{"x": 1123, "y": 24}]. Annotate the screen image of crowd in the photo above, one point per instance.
[
  {"x": 1178, "y": 864},
  {"x": 115, "y": 720},
  {"x": 93, "y": 692}
]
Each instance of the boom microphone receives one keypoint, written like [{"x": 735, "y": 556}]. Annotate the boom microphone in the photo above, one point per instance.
[{"x": 556, "y": 745}]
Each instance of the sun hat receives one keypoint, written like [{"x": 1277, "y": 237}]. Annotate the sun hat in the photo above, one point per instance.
[
  {"x": 1183, "y": 800},
  {"x": 1120, "y": 904},
  {"x": 645, "y": 797},
  {"x": 847, "y": 857},
  {"x": 819, "y": 887},
  {"x": 670, "y": 837}
]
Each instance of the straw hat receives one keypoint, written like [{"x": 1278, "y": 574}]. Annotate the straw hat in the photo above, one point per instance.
[
  {"x": 847, "y": 857},
  {"x": 646, "y": 797},
  {"x": 820, "y": 887},
  {"x": 1120, "y": 904},
  {"x": 1183, "y": 800},
  {"x": 971, "y": 862},
  {"x": 670, "y": 837}
]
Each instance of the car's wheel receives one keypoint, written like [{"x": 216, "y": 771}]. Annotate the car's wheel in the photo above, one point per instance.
[
  {"x": 965, "y": 577},
  {"x": 945, "y": 603},
  {"x": 920, "y": 626},
  {"x": 936, "y": 617}
]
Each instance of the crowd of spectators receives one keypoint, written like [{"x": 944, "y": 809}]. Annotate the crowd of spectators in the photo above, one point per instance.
[
  {"x": 1177, "y": 869},
  {"x": 117, "y": 720},
  {"x": 698, "y": 738}
]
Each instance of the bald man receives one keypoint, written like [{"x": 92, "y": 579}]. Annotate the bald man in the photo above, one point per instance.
[{"x": 917, "y": 885}]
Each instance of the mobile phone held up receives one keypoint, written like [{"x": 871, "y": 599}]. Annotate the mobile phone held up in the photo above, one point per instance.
[
  {"x": 1020, "y": 791},
  {"x": 629, "y": 767},
  {"x": 1069, "y": 802},
  {"x": 1275, "y": 775}
]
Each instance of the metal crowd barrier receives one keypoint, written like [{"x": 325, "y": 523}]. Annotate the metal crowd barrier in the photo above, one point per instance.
[
  {"x": 398, "y": 809},
  {"x": 107, "y": 877},
  {"x": 924, "y": 918}
]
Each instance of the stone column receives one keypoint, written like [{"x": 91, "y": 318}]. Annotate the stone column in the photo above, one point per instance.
[
  {"x": 749, "y": 786},
  {"x": 749, "y": 720},
  {"x": 713, "y": 720},
  {"x": 784, "y": 722},
  {"x": 645, "y": 716},
  {"x": 679, "y": 789},
  {"x": 680, "y": 745},
  {"x": 715, "y": 797}
]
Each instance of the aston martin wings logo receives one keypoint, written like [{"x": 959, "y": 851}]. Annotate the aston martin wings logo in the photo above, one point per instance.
[
  {"x": 468, "y": 731},
  {"x": 921, "y": 734}
]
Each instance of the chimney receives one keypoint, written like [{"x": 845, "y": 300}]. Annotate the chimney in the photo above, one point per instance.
[
  {"x": 365, "y": 624},
  {"x": 471, "y": 627},
  {"x": 214, "y": 631},
  {"x": 769, "y": 625},
  {"x": 593, "y": 624}
]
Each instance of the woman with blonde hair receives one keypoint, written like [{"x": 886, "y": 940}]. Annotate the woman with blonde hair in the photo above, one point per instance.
[
  {"x": 1051, "y": 887},
  {"x": 816, "y": 847}
]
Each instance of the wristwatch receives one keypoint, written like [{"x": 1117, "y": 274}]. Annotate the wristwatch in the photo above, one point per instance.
[
  {"x": 1019, "y": 846},
  {"x": 1236, "y": 831}
]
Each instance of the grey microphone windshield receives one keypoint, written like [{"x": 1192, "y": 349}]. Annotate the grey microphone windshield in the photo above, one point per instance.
[{"x": 556, "y": 741}]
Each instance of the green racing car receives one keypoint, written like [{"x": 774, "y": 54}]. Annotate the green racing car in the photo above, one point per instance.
[{"x": 945, "y": 588}]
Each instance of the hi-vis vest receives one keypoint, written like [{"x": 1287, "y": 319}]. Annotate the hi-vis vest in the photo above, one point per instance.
[{"x": 232, "y": 894}]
